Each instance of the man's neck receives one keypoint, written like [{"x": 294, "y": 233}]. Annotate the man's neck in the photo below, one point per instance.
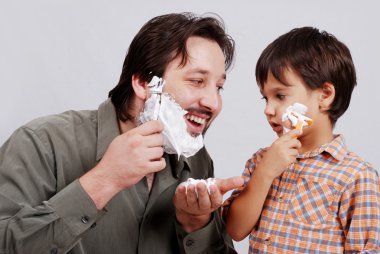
[{"x": 126, "y": 126}]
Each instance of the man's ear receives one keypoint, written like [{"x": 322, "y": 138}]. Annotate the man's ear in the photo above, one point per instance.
[
  {"x": 139, "y": 87},
  {"x": 327, "y": 96}
]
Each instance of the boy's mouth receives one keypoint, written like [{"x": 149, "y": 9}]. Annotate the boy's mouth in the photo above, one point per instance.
[{"x": 276, "y": 127}]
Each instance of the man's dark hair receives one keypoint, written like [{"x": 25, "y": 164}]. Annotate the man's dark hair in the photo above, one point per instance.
[
  {"x": 317, "y": 57},
  {"x": 159, "y": 41}
]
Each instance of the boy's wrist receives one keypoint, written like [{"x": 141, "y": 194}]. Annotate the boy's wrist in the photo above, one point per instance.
[{"x": 264, "y": 174}]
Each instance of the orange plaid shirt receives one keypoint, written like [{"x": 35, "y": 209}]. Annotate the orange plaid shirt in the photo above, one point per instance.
[{"x": 327, "y": 202}]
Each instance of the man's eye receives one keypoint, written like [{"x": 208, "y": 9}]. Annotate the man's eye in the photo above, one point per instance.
[
  {"x": 196, "y": 82},
  {"x": 281, "y": 96},
  {"x": 264, "y": 98},
  {"x": 220, "y": 88}
]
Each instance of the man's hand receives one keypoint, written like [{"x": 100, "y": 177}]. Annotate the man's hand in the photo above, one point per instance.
[
  {"x": 193, "y": 212},
  {"x": 130, "y": 156}
]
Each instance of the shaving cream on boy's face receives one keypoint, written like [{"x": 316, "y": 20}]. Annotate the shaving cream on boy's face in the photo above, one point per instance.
[
  {"x": 295, "y": 114},
  {"x": 161, "y": 106}
]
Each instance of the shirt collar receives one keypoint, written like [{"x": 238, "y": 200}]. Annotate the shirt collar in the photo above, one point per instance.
[
  {"x": 108, "y": 127},
  {"x": 194, "y": 164},
  {"x": 336, "y": 148}
]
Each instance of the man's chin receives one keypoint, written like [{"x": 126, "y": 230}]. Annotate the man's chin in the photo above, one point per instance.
[{"x": 193, "y": 134}]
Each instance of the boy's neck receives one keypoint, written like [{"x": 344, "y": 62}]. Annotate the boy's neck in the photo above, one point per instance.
[{"x": 317, "y": 137}]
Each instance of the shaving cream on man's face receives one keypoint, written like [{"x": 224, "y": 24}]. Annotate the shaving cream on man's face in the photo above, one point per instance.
[{"x": 161, "y": 106}]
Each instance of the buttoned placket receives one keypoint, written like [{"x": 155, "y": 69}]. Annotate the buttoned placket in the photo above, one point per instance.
[{"x": 281, "y": 199}]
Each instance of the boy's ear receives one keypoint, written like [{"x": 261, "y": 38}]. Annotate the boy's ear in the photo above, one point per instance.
[
  {"x": 327, "y": 96},
  {"x": 139, "y": 87}
]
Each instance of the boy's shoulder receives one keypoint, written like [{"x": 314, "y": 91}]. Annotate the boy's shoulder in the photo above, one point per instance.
[
  {"x": 337, "y": 163},
  {"x": 356, "y": 164},
  {"x": 257, "y": 156}
]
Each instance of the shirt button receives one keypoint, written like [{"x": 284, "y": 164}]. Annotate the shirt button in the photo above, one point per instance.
[
  {"x": 267, "y": 242},
  {"x": 85, "y": 219},
  {"x": 54, "y": 251},
  {"x": 189, "y": 242},
  {"x": 280, "y": 199}
]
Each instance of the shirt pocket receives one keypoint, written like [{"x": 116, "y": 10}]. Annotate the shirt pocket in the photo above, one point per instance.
[{"x": 313, "y": 202}]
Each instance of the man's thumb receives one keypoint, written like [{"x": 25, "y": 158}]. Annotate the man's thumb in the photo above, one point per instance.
[{"x": 228, "y": 184}]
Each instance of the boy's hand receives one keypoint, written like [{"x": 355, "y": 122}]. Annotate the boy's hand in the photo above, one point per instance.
[{"x": 280, "y": 154}]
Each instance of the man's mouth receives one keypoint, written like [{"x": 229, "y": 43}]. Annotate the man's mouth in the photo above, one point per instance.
[
  {"x": 195, "y": 119},
  {"x": 195, "y": 123}
]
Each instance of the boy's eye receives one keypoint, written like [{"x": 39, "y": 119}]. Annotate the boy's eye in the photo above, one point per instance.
[
  {"x": 220, "y": 88},
  {"x": 280, "y": 97},
  {"x": 264, "y": 98}
]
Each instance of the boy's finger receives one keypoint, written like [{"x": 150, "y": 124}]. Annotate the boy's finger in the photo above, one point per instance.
[{"x": 293, "y": 133}]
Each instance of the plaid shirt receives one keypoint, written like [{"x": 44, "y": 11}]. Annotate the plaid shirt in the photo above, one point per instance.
[{"x": 327, "y": 202}]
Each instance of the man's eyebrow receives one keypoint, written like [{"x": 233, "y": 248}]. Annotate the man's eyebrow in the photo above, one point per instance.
[{"x": 203, "y": 72}]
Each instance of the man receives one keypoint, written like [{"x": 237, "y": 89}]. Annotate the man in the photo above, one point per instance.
[{"x": 96, "y": 182}]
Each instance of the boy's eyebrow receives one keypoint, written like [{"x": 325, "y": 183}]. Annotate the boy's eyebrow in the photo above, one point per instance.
[{"x": 276, "y": 89}]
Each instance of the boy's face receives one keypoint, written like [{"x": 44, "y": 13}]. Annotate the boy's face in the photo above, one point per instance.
[
  {"x": 279, "y": 96},
  {"x": 196, "y": 86}
]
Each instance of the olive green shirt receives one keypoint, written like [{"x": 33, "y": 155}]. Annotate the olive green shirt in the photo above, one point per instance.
[{"x": 44, "y": 209}]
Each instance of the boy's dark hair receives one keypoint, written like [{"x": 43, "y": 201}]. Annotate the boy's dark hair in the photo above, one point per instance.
[
  {"x": 159, "y": 41},
  {"x": 317, "y": 57}
]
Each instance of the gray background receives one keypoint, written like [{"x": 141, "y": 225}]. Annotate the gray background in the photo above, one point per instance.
[{"x": 60, "y": 55}]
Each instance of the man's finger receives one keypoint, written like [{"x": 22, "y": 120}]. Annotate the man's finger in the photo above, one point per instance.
[
  {"x": 229, "y": 183},
  {"x": 154, "y": 140},
  {"x": 203, "y": 196},
  {"x": 191, "y": 195},
  {"x": 157, "y": 165},
  {"x": 180, "y": 196},
  {"x": 148, "y": 128}
]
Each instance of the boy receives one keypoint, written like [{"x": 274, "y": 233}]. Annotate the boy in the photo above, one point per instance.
[{"x": 307, "y": 193}]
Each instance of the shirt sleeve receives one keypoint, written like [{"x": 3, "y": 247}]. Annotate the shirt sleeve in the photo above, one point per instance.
[
  {"x": 34, "y": 217},
  {"x": 250, "y": 166},
  {"x": 212, "y": 238},
  {"x": 360, "y": 213}
]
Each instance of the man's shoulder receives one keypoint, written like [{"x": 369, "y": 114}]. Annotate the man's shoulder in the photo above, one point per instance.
[
  {"x": 64, "y": 126},
  {"x": 62, "y": 121}
]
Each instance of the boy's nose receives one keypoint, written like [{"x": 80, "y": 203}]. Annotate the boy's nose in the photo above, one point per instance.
[{"x": 269, "y": 110}]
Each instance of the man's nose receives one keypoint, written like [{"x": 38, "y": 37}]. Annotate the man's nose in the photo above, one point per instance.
[{"x": 211, "y": 98}]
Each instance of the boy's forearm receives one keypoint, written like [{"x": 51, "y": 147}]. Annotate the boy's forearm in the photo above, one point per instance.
[{"x": 245, "y": 210}]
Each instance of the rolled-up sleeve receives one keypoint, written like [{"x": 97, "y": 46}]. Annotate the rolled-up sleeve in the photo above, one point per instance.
[
  {"x": 34, "y": 216},
  {"x": 360, "y": 213}
]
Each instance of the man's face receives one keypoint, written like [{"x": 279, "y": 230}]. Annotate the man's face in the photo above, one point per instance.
[
  {"x": 196, "y": 86},
  {"x": 279, "y": 96}
]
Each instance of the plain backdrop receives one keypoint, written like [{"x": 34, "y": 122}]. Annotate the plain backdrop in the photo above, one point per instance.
[{"x": 60, "y": 55}]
